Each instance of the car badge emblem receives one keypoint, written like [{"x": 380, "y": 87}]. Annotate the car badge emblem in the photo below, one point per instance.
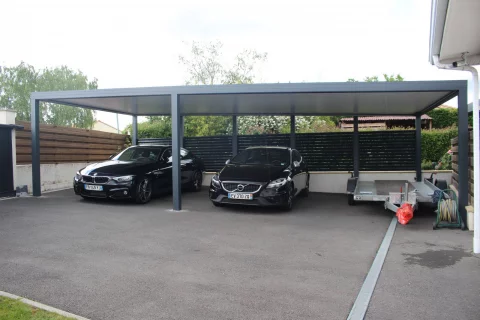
[{"x": 240, "y": 187}]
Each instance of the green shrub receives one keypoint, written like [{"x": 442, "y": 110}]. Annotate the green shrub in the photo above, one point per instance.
[
  {"x": 443, "y": 117},
  {"x": 437, "y": 142}
]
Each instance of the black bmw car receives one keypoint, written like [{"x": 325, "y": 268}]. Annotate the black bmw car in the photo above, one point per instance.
[
  {"x": 262, "y": 176},
  {"x": 137, "y": 173}
]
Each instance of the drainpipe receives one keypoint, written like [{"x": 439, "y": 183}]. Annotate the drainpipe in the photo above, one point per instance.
[{"x": 464, "y": 66}]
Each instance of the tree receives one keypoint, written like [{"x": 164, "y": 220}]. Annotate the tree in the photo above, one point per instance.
[
  {"x": 18, "y": 82},
  {"x": 204, "y": 65},
  {"x": 386, "y": 77}
]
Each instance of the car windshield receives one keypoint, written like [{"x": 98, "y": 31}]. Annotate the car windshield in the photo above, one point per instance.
[
  {"x": 139, "y": 154},
  {"x": 263, "y": 156}
]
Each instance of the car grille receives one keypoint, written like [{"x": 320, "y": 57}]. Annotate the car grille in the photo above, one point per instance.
[
  {"x": 93, "y": 179},
  {"x": 241, "y": 187}
]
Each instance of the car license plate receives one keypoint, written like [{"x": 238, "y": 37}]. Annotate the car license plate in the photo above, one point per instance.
[
  {"x": 240, "y": 196},
  {"x": 93, "y": 188}
]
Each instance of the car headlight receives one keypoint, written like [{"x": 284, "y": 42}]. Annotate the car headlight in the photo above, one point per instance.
[
  {"x": 277, "y": 183},
  {"x": 216, "y": 181},
  {"x": 78, "y": 176},
  {"x": 123, "y": 179}
]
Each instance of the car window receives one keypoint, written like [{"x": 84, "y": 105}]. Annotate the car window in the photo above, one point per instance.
[
  {"x": 296, "y": 156},
  {"x": 138, "y": 154},
  {"x": 186, "y": 155},
  {"x": 167, "y": 155},
  {"x": 263, "y": 156}
]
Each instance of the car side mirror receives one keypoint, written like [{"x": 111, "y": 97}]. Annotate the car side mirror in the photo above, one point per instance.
[
  {"x": 296, "y": 164},
  {"x": 227, "y": 162}
]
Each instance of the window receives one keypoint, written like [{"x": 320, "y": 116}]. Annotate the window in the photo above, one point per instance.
[
  {"x": 167, "y": 155},
  {"x": 185, "y": 155},
  {"x": 139, "y": 154},
  {"x": 263, "y": 156}
]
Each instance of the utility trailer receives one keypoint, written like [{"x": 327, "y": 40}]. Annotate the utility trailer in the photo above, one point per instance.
[{"x": 393, "y": 193}]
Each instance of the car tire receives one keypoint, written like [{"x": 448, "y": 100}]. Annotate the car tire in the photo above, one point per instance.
[
  {"x": 351, "y": 201},
  {"x": 441, "y": 184},
  {"x": 289, "y": 205},
  {"x": 305, "y": 191},
  {"x": 196, "y": 183},
  {"x": 143, "y": 192},
  {"x": 217, "y": 204}
]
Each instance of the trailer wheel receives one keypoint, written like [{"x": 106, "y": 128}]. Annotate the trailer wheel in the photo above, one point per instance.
[
  {"x": 441, "y": 184},
  {"x": 351, "y": 201}
]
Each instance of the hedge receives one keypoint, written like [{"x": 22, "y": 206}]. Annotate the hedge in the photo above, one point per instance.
[
  {"x": 446, "y": 117},
  {"x": 436, "y": 142}
]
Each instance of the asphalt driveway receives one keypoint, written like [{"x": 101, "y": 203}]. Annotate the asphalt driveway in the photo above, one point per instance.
[{"x": 106, "y": 260}]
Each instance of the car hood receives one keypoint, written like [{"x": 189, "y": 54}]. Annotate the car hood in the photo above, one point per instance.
[
  {"x": 254, "y": 173},
  {"x": 115, "y": 168}
]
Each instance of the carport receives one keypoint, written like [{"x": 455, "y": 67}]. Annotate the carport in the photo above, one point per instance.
[{"x": 303, "y": 99}]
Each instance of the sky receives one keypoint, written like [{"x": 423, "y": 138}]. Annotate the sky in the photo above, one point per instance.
[{"x": 137, "y": 43}]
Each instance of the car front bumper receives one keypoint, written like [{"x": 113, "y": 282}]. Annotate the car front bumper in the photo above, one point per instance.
[
  {"x": 119, "y": 191},
  {"x": 264, "y": 198}
]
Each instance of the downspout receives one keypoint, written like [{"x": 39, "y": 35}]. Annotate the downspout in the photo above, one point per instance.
[{"x": 476, "y": 143}]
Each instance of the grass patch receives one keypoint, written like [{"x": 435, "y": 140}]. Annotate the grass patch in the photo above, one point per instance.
[{"x": 11, "y": 309}]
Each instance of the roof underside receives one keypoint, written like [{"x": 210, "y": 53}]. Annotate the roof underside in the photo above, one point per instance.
[
  {"x": 382, "y": 98},
  {"x": 454, "y": 29}
]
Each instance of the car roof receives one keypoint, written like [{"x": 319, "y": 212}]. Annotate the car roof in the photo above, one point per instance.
[
  {"x": 269, "y": 147},
  {"x": 153, "y": 145}
]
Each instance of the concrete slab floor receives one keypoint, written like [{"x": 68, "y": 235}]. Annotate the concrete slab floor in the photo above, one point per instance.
[
  {"x": 109, "y": 260},
  {"x": 428, "y": 274}
]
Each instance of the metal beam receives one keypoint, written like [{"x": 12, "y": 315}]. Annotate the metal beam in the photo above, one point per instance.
[
  {"x": 356, "y": 148},
  {"x": 35, "y": 125},
  {"x": 343, "y": 87},
  {"x": 182, "y": 130},
  {"x": 463, "y": 140},
  {"x": 418, "y": 147},
  {"x": 234, "y": 136},
  {"x": 292, "y": 132},
  {"x": 134, "y": 131},
  {"x": 176, "y": 173}
]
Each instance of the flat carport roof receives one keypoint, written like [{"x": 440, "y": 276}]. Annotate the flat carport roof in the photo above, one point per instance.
[{"x": 314, "y": 99}]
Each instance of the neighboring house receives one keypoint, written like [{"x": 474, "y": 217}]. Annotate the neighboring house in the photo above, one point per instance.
[
  {"x": 385, "y": 122},
  {"x": 102, "y": 126}
]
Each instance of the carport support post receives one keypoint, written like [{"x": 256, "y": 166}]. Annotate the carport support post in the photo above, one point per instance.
[
  {"x": 463, "y": 141},
  {"x": 356, "y": 148},
  {"x": 35, "y": 127},
  {"x": 234, "y": 136},
  {"x": 418, "y": 147},
  {"x": 182, "y": 130},
  {"x": 176, "y": 175},
  {"x": 292, "y": 131},
  {"x": 134, "y": 131}
]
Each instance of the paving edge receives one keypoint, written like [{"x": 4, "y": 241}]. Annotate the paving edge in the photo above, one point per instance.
[
  {"x": 360, "y": 306},
  {"x": 41, "y": 306}
]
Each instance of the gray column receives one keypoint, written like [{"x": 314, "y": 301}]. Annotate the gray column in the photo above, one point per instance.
[
  {"x": 176, "y": 173},
  {"x": 463, "y": 152},
  {"x": 292, "y": 132},
  {"x": 35, "y": 124},
  {"x": 356, "y": 148},
  {"x": 234, "y": 136},
  {"x": 418, "y": 147},
  {"x": 182, "y": 130},
  {"x": 134, "y": 131}
]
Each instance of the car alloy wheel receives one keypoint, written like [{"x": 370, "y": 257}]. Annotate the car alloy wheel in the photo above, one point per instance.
[
  {"x": 144, "y": 191},
  {"x": 289, "y": 204}
]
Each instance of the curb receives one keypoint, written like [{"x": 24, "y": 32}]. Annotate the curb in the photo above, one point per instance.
[{"x": 41, "y": 306}]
